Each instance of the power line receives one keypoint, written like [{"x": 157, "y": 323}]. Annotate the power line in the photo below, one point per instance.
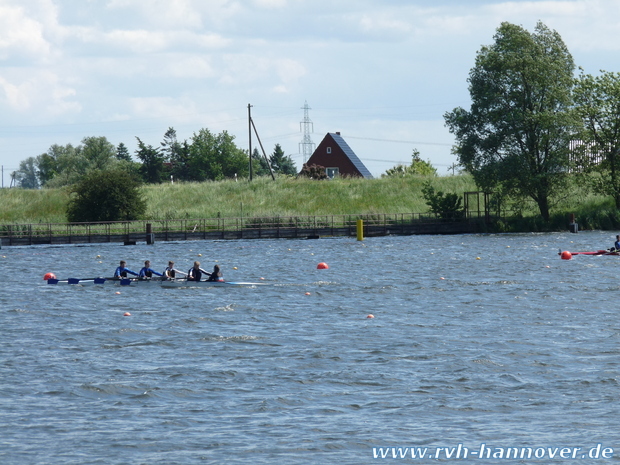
[{"x": 401, "y": 141}]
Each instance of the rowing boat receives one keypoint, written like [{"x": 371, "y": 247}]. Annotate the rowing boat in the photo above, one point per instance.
[
  {"x": 596, "y": 252},
  {"x": 117, "y": 281},
  {"x": 186, "y": 283},
  {"x": 168, "y": 283}
]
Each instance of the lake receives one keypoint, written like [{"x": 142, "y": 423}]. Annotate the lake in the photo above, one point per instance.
[{"x": 480, "y": 344}]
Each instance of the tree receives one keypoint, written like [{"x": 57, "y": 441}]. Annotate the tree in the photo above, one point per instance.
[
  {"x": 216, "y": 157},
  {"x": 259, "y": 164},
  {"x": 280, "y": 163},
  {"x": 98, "y": 152},
  {"x": 65, "y": 164},
  {"x": 597, "y": 101},
  {"x": 516, "y": 135},
  {"x": 106, "y": 195},
  {"x": 122, "y": 153},
  {"x": 152, "y": 169},
  {"x": 26, "y": 175},
  {"x": 418, "y": 167}
]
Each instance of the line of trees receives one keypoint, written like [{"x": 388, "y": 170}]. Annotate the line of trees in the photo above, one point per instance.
[
  {"x": 533, "y": 125},
  {"x": 206, "y": 156}
]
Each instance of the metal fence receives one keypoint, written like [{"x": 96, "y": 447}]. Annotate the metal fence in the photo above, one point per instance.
[{"x": 226, "y": 228}]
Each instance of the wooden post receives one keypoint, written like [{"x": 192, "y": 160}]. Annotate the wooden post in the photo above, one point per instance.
[
  {"x": 360, "y": 230},
  {"x": 250, "y": 137},
  {"x": 572, "y": 225}
]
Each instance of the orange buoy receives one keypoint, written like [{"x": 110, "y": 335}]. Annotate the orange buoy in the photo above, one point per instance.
[
  {"x": 322, "y": 266},
  {"x": 370, "y": 316},
  {"x": 307, "y": 293},
  {"x": 566, "y": 255},
  {"x": 49, "y": 276},
  {"x": 126, "y": 314}
]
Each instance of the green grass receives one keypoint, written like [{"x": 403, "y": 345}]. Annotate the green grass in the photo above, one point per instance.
[
  {"x": 286, "y": 196},
  {"x": 295, "y": 197}
]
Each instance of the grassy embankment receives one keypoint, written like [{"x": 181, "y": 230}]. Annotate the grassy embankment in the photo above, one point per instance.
[
  {"x": 301, "y": 197},
  {"x": 261, "y": 197}
]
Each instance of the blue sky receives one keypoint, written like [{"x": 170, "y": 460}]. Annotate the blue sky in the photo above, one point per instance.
[{"x": 382, "y": 73}]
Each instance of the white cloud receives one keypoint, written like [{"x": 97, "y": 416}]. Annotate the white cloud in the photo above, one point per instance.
[
  {"x": 271, "y": 4},
  {"x": 42, "y": 93},
  {"x": 21, "y": 37},
  {"x": 174, "y": 59}
]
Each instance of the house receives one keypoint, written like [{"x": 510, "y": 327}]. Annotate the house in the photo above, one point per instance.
[{"x": 337, "y": 157}]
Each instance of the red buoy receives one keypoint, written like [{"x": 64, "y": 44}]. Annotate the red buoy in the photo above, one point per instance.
[
  {"x": 322, "y": 266},
  {"x": 49, "y": 276},
  {"x": 566, "y": 255}
]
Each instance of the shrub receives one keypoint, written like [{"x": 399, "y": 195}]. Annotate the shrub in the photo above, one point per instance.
[{"x": 110, "y": 195}]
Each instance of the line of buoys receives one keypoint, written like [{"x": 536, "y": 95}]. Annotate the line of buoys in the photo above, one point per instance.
[
  {"x": 322, "y": 266},
  {"x": 566, "y": 255},
  {"x": 49, "y": 276}
]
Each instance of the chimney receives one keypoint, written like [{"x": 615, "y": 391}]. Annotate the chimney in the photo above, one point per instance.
[{"x": 338, "y": 133}]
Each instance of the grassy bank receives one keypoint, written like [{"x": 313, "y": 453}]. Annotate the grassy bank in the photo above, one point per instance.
[
  {"x": 301, "y": 197},
  {"x": 261, "y": 197}
]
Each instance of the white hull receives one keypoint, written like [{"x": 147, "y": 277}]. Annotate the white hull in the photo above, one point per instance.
[
  {"x": 185, "y": 283},
  {"x": 146, "y": 281}
]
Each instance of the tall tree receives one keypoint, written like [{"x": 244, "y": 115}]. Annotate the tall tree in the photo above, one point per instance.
[
  {"x": 122, "y": 153},
  {"x": 280, "y": 163},
  {"x": 98, "y": 152},
  {"x": 259, "y": 164},
  {"x": 516, "y": 135},
  {"x": 597, "y": 100},
  {"x": 216, "y": 157},
  {"x": 152, "y": 169},
  {"x": 26, "y": 175}
]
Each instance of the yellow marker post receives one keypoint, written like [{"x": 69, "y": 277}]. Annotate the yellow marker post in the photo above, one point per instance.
[{"x": 360, "y": 230}]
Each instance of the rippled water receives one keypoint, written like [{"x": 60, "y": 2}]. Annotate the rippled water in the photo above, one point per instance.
[{"x": 476, "y": 339}]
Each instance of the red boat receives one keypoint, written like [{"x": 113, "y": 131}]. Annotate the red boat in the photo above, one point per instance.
[{"x": 566, "y": 255}]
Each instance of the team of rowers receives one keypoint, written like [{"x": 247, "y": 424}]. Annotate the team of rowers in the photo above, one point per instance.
[{"x": 194, "y": 274}]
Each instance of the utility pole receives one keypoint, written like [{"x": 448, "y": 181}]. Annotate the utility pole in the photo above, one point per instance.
[
  {"x": 251, "y": 124},
  {"x": 306, "y": 145},
  {"x": 250, "y": 137}
]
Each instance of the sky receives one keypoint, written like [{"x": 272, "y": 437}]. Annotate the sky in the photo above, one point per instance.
[{"x": 381, "y": 72}]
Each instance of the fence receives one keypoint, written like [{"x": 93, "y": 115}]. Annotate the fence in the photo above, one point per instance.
[{"x": 130, "y": 232}]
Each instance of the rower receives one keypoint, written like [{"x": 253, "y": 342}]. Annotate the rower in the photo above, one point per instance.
[
  {"x": 195, "y": 273},
  {"x": 216, "y": 275},
  {"x": 121, "y": 271},
  {"x": 147, "y": 271},
  {"x": 617, "y": 243},
  {"x": 170, "y": 272}
]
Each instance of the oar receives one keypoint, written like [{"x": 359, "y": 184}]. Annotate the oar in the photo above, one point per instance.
[{"x": 71, "y": 280}]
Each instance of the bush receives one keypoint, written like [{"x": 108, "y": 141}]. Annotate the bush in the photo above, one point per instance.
[
  {"x": 111, "y": 195},
  {"x": 447, "y": 206}
]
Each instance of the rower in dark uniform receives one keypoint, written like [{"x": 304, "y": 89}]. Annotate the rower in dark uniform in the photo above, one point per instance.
[
  {"x": 121, "y": 271},
  {"x": 171, "y": 272},
  {"x": 216, "y": 275},
  {"x": 195, "y": 273},
  {"x": 147, "y": 271}
]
